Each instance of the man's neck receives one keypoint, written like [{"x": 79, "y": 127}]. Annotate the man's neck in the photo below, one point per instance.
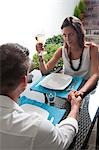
[{"x": 14, "y": 95}]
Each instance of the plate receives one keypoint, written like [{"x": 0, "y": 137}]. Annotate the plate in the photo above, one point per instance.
[
  {"x": 32, "y": 108},
  {"x": 56, "y": 81}
]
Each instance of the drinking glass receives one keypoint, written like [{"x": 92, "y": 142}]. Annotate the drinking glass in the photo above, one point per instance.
[
  {"x": 51, "y": 97},
  {"x": 40, "y": 38}
]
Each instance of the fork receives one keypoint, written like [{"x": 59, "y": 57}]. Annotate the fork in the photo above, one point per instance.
[{"x": 71, "y": 87}]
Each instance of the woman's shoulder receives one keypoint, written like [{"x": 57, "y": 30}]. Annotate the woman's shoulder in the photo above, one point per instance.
[
  {"x": 93, "y": 48},
  {"x": 91, "y": 45}
]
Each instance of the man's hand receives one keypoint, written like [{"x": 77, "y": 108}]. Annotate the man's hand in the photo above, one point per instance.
[
  {"x": 75, "y": 99},
  {"x": 75, "y": 104},
  {"x": 76, "y": 93}
]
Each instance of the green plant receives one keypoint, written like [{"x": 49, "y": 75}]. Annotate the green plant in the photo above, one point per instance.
[
  {"x": 55, "y": 40},
  {"x": 51, "y": 48},
  {"x": 80, "y": 10},
  {"x": 77, "y": 12},
  {"x": 82, "y": 6},
  {"x": 51, "y": 45}
]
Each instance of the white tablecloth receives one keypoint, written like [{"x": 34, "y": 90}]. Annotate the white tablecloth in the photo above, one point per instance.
[{"x": 33, "y": 94}]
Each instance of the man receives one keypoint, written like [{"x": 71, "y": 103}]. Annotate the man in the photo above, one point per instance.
[{"x": 20, "y": 130}]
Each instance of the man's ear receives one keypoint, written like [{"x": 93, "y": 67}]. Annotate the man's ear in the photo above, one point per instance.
[{"x": 24, "y": 81}]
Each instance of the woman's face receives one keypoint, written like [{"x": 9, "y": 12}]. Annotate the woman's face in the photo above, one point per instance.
[{"x": 69, "y": 36}]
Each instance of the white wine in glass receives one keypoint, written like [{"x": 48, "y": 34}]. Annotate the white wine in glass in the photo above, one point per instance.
[{"x": 40, "y": 38}]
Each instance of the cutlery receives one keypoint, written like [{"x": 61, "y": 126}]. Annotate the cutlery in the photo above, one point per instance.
[{"x": 71, "y": 87}]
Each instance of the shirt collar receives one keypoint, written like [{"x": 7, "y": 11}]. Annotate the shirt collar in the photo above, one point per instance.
[{"x": 7, "y": 102}]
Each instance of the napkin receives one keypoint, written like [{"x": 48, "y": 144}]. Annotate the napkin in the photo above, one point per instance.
[{"x": 55, "y": 113}]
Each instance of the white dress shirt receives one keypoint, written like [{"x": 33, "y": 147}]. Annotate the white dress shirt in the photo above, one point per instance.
[{"x": 23, "y": 131}]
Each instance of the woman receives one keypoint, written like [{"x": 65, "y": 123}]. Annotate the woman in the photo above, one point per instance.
[{"x": 79, "y": 57}]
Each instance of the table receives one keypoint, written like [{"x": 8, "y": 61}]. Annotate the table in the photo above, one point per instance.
[{"x": 87, "y": 115}]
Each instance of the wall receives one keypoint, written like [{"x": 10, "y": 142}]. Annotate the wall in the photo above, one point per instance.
[{"x": 91, "y": 20}]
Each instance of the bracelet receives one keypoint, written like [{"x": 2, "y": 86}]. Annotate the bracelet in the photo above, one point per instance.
[
  {"x": 81, "y": 96},
  {"x": 84, "y": 94}
]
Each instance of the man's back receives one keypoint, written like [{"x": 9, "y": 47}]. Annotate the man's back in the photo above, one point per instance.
[{"x": 20, "y": 130}]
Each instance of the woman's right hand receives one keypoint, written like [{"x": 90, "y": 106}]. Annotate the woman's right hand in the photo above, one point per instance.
[{"x": 39, "y": 47}]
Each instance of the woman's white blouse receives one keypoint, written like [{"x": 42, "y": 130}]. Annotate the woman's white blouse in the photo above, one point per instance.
[{"x": 84, "y": 71}]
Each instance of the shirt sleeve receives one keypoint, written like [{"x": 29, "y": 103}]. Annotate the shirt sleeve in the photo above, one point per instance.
[{"x": 55, "y": 137}]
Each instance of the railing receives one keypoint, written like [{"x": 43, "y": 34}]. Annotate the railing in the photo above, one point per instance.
[{"x": 92, "y": 37}]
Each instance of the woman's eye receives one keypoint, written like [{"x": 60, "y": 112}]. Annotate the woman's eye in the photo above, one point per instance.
[
  {"x": 67, "y": 35},
  {"x": 71, "y": 34}
]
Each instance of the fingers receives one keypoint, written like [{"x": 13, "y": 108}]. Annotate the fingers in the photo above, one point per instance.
[
  {"x": 79, "y": 93},
  {"x": 75, "y": 95},
  {"x": 39, "y": 47},
  {"x": 71, "y": 94},
  {"x": 74, "y": 99}
]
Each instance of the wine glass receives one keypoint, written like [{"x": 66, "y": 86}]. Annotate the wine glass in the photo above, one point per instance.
[
  {"x": 51, "y": 97},
  {"x": 40, "y": 38}
]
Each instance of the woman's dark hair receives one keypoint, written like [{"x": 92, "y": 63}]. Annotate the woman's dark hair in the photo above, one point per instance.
[
  {"x": 77, "y": 25},
  {"x": 14, "y": 63}
]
